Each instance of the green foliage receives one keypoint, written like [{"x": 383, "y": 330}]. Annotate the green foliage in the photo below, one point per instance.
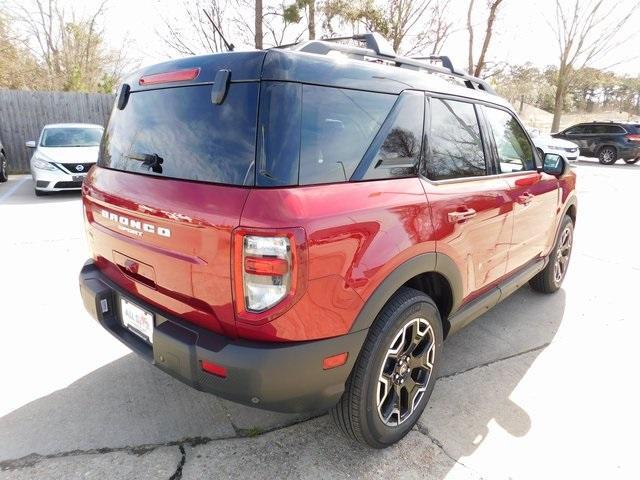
[
  {"x": 18, "y": 69},
  {"x": 591, "y": 90},
  {"x": 72, "y": 58},
  {"x": 353, "y": 12}
]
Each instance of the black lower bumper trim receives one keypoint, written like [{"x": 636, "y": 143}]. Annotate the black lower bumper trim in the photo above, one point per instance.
[{"x": 284, "y": 377}]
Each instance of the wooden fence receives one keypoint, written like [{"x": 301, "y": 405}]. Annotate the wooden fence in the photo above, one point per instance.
[{"x": 24, "y": 113}]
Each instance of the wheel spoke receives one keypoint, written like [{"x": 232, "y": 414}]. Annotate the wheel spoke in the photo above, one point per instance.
[{"x": 406, "y": 371}]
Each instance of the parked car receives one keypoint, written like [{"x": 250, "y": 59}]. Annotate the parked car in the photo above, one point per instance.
[
  {"x": 63, "y": 155},
  {"x": 4, "y": 176},
  {"x": 548, "y": 144},
  {"x": 608, "y": 141},
  {"x": 270, "y": 226}
]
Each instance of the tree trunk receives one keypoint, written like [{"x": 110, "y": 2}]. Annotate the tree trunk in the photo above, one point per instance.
[
  {"x": 258, "y": 25},
  {"x": 561, "y": 89},
  {"x": 470, "y": 29},
  {"x": 487, "y": 37},
  {"x": 312, "y": 20}
]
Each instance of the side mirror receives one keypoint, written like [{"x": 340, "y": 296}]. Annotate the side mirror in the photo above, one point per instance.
[
  {"x": 553, "y": 164},
  {"x": 30, "y": 144}
]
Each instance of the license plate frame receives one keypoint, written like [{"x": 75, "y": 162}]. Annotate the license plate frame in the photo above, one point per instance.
[{"x": 137, "y": 320}]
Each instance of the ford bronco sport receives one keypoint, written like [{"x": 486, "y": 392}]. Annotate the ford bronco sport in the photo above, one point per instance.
[{"x": 299, "y": 229}]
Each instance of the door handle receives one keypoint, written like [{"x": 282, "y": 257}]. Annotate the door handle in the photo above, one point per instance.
[
  {"x": 525, "y": 198},
  {"x": 461, "y": 216}
]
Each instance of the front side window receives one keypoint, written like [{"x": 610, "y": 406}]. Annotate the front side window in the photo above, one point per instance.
[
  {"x": 71, "y": 137},
  {"x": 576, "y": 130},
  {"x": 455, "y": 141},
  {"x": 515, "y": 153},
  {"x": 395, "y": 152}
]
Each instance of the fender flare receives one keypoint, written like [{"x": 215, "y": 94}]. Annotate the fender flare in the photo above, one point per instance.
[
  {"x": 423, "y": 263},
  {"x": 572, "y": 201}
]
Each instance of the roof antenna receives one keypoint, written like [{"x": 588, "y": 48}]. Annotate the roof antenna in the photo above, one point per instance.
[{"x": 229, "y": 46}]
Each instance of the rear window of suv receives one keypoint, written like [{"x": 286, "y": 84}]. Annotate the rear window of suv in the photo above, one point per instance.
[{"x": 180, "y": 133}]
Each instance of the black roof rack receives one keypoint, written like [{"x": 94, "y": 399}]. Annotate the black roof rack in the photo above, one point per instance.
[{"x": 377, "y": 47}]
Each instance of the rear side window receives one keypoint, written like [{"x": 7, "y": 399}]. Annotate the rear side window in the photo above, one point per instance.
[
  {"x": 515, "y": 152},
  {"x": 604, "y": 129},
  {"x": 279, "y": 133},
  {"x": 180, "y": 133},
  {"x": 338, "y": 125},
  {"x": 456, "y": 145},
  {"x": 396, "y": 150}
]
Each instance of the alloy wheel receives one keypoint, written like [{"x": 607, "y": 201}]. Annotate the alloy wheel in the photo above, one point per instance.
[
  {"x": 607, "y": 156},
  {"x": 563, "y": 253},
  {"x": 405, "y": 372}
]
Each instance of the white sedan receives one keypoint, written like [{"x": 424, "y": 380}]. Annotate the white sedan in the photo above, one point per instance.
[
  {"x": 63, "y": 155},
  {"x": 548, "y": 144}
]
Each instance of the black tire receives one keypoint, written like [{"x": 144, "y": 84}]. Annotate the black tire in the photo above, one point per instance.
[
  {"x": 550, "y": 280},
  {"x": 631, "y": 161},
  {"x": 357, "y": 412},
  {"x": 608, "y": 155},
  {"x": 3, "y": 168}
]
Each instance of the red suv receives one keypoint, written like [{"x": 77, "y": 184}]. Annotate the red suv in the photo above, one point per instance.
[{"x": 299, "y": 229}]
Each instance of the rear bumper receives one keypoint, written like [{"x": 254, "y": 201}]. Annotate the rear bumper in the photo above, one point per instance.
[
  {"x": 629, "y": 153},
  {"x": 284, "y": 377}
]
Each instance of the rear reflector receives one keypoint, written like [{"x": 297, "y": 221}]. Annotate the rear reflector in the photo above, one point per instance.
[
  {"x": 168, "y": 77},
  {"x": 214, "y": 369},
  {"x": 335, "y": 361}
]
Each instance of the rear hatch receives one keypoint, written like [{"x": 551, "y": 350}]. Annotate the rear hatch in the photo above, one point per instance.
[{"x": 171, "y": 183}]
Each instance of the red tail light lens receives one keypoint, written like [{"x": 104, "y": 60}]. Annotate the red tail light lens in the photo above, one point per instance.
[
  {"x": 168, "y": 77},
  {"x": 269, "y": 268},
  {"x": 266, "y": 276},
  {"x": 633, "y": 137}
]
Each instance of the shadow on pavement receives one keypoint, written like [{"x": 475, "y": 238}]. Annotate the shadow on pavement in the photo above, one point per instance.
[{"x": 129, "y": 403}]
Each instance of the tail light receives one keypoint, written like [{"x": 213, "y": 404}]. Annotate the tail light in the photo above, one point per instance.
[
  {"x": 168, "y": 77},
  {"x": 269, "y": 272},
  {"x": 633, "y": 137}
]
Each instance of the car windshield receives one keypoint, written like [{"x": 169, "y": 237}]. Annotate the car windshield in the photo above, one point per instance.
[{"x": 71, "y": 137}]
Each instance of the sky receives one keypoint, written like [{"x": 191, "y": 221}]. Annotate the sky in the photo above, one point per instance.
[{"x": 522, "y": 32}]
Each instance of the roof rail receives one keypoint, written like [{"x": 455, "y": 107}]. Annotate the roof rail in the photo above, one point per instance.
[{"x": 377, "y": 47}]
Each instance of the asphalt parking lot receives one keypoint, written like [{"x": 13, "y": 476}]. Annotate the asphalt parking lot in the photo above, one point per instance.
[{"x": 540, "y": 387}]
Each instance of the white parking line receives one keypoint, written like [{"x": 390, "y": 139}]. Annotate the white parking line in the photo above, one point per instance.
[{"x": 11, "y": 191}]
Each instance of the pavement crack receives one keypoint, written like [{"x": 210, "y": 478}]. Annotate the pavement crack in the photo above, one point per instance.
[
  {"x": 33, "y": 458},
  {"x": 498, "y": 360},
  {"x": 177, "y": 475},
  {"x": 424, "y": 431}
]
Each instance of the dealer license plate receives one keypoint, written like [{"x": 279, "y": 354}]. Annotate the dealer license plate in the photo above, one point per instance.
[{"x": 137, "y": 320}]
